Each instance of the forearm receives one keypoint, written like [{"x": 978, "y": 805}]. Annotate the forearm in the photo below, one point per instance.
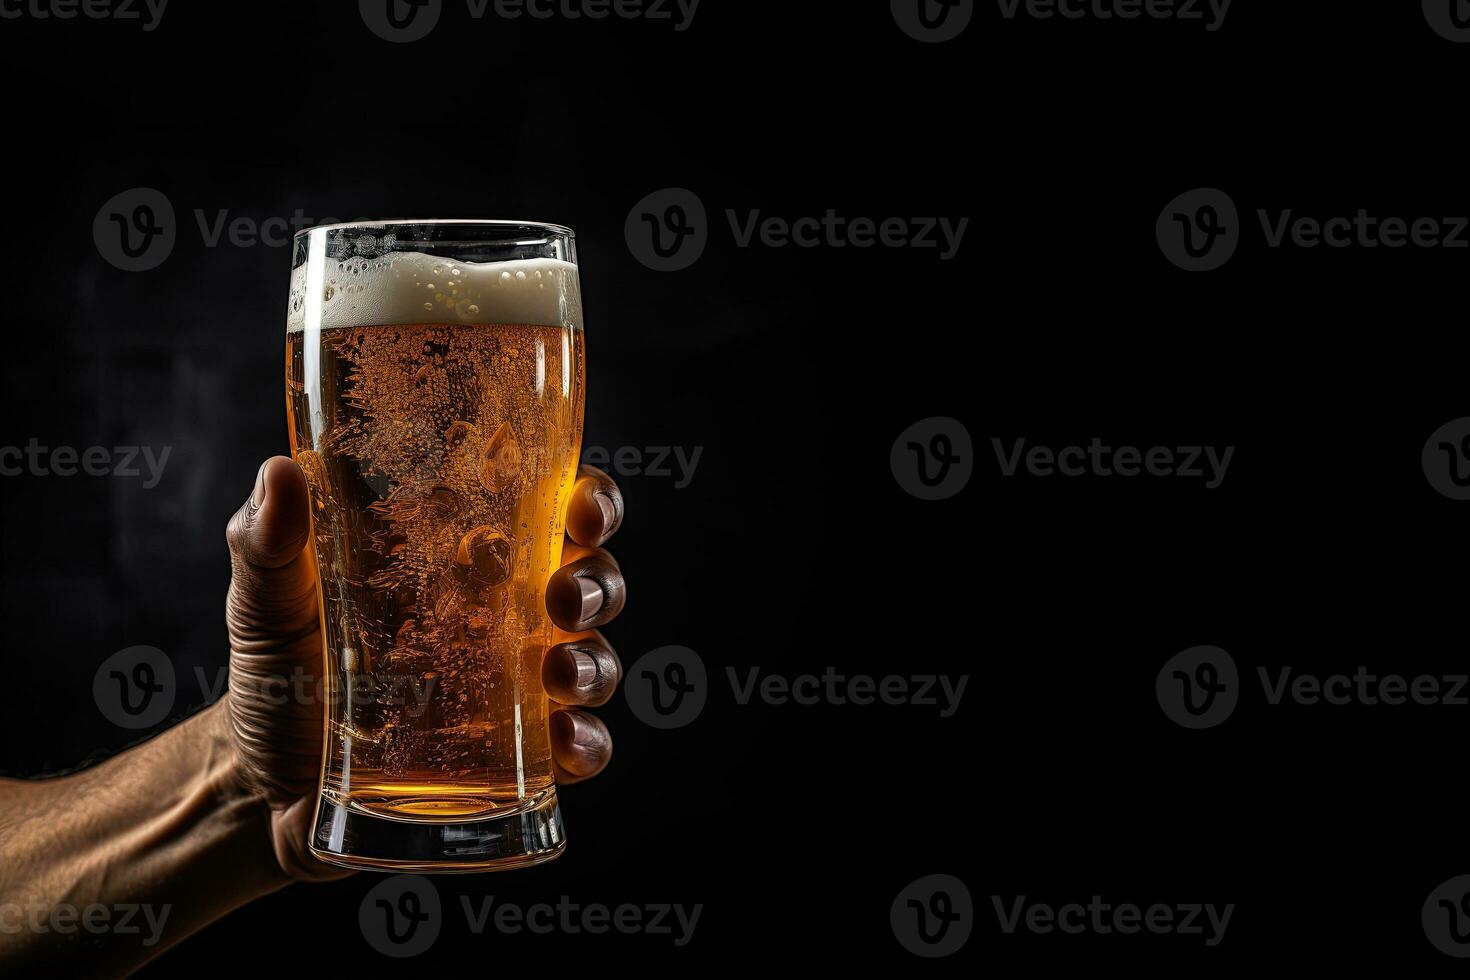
[{"x": 103, "y": 869}]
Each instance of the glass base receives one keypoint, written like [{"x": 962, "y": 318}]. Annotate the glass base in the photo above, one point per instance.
[{"x": 353, "y": 838}]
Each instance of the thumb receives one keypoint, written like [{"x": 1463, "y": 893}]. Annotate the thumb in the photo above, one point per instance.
[
  {"x": 273, "y": 590},
  {"x": 271, "y": 611}
]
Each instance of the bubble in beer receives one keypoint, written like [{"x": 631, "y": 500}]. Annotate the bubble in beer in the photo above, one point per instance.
[
  {"x": 458, "y": 433},
  {"x": 502, "y": 461},
  {"x": 484, "y": 555}
]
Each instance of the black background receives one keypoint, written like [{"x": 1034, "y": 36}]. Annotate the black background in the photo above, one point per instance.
[{"x": 795, "y": 369}]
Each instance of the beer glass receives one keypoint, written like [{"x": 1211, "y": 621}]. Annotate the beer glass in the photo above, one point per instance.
[{"x": 434, "y": 375}]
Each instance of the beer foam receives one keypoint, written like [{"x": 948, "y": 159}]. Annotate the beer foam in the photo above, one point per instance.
[{"x": 413, "y": 287}]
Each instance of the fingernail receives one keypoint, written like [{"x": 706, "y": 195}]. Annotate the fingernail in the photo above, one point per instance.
[
  {"x": 583, "y": 732},
  {"x": 586, "y": 665},
  {"x": 609, "y": 512},
  {"x": 592, "y": 597},
  {"x": 258, "y": 497}
]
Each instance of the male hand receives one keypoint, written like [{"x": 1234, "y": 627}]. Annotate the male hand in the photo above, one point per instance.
[{"x": 275, "y": 633}]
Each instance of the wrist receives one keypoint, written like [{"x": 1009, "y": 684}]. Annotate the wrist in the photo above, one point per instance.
[{"x": 241, "y": 806}]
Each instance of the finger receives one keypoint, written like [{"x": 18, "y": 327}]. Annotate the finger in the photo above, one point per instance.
[
  {"x": 586, "y": 592},
  {"x": 584, "y": 671},
  {"x": 580, "y": 745},
  {"x": 273, "y": 588},
  {"x": 271, "y": 613},
  {"x": 596, "y": 509}
]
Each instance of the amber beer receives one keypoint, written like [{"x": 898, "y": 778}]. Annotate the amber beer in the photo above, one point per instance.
[{"x": 435, "y": 406}]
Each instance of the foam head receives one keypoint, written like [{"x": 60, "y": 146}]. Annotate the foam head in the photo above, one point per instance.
[{"x": 413, "y": 287}]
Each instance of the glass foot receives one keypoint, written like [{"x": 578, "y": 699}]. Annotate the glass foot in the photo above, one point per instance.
[{"x": 354, "y": 838}]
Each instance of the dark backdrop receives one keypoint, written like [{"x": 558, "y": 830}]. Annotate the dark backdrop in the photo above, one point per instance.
[{"x": 794, "y": 371}]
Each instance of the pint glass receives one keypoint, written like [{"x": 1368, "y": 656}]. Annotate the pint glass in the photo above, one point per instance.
[{"x": 435, "y": 380}]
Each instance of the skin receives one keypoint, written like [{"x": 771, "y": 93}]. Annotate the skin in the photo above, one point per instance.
[{"x": 214, "y": 812}]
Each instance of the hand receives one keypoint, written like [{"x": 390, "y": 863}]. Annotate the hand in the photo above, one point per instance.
[{"x": 275, "y": 632}]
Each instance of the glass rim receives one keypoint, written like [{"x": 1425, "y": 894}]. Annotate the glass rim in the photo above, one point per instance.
[{"x": 547, "y": 226}]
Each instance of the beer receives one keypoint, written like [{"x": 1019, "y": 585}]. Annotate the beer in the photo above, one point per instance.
[{"x": 435, "y": 407}]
